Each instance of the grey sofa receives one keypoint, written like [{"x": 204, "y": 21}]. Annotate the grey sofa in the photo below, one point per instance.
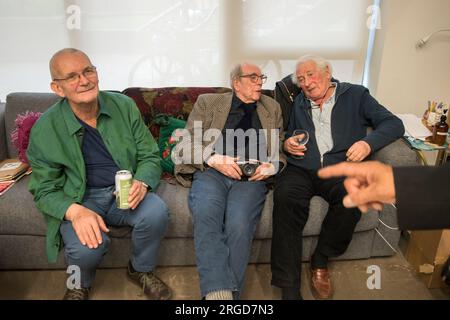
[{"x": 22, "y": 228}]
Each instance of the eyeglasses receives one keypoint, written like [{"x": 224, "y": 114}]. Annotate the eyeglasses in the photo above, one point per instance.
[
  {"x": 89, "y": 73},
  {"x": 254, "y": 77}
]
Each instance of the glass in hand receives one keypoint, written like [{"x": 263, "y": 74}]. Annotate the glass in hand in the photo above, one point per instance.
[{"x": 302, "y": 138}]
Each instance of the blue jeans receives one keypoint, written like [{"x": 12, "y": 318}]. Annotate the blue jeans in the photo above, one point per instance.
[
  {"x": 149, "y": 221},
  {"x": 225, "y": 214}
]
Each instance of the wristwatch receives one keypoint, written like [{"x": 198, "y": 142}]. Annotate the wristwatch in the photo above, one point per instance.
[{"x": 144, "y": 184}]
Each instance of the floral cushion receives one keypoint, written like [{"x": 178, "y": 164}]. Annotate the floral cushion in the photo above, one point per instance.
[
  {"x": 174, "y": 101},
  {"x": 168, "y": 138}
]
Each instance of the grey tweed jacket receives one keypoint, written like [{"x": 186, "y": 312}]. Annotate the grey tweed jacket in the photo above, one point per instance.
[{"x": 211, "y": 112}]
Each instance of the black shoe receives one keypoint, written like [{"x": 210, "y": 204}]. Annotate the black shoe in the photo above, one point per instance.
[
  {"x": 77, "y": 294},
  {"x": 152, "y": 286},
  {"x": 291, "y": 294}
]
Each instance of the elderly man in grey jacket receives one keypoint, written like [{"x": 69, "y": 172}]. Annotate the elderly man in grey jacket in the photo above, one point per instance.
[{"x": 230, "y": 147}]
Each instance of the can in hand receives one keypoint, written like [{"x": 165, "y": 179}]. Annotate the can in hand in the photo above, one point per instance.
[{"x": 123, "y": 185}]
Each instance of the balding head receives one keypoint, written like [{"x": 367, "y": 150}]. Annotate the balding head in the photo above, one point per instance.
[
  {"x": 58, "y": 56},
  {"x": 74, "y": 77}
]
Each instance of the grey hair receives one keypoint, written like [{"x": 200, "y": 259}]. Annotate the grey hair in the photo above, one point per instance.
[
  {"x": 52, "y": 63},
  {"x": 235, "y": 72},
  {"x": 320, "y": 62}
]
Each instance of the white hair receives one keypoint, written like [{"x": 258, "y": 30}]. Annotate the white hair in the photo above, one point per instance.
[
  {"x": 235, "y": 72},
  {"x": 320, "y": 62}
]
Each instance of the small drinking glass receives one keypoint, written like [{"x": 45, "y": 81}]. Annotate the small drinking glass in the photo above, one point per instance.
[{"x": 301, "y": 141}]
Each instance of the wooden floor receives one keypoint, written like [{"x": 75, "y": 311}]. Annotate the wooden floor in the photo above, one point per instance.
[{"x": 398, "y": 281}]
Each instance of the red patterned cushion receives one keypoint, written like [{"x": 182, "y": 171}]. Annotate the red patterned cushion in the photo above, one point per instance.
[{"x": 174, "y": 101}]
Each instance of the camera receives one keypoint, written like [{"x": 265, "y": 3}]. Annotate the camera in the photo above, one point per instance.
[{"x": 248, "y": 167}]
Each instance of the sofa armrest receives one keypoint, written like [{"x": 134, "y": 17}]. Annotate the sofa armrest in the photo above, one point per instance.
[
  {"x": 398, "y": 154},
  {"x": 3, "y": 148}
]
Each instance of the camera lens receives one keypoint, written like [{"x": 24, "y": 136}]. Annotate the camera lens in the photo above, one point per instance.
[{"x": 249, "y": 169}]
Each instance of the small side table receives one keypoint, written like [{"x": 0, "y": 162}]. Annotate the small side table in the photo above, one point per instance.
[
  {"x": 420, "y": 146},
  {"x": 442, "y": 156}
]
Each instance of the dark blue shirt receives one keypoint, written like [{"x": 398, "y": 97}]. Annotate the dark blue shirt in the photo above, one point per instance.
[{"x": 100, "y": 166}]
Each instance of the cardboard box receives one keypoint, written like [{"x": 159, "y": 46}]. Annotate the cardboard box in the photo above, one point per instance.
[{"x": 427, "y": 252}]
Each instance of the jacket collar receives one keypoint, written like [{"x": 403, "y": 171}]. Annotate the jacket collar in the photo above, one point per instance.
[
  {"x": 341, "y": 87},
  {"x": 73, "y": 125},
  {"x": 225, "y": 107}
]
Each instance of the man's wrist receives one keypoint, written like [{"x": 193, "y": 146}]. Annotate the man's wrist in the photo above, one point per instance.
[
  {"x": 144, "y": 184},
  {"x": 209, "y": 158},
  {"x": 71, "y": 211}
]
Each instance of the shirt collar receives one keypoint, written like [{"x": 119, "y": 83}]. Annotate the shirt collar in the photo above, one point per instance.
[
  {"x": 315, "y": 105},
  {"x": 238, "y": 103}
]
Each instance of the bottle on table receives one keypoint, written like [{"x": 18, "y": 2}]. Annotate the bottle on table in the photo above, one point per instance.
[{"x": 440, "y": 131}]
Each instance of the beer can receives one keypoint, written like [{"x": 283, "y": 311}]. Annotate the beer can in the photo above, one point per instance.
[{"x": 123, "y": 185}]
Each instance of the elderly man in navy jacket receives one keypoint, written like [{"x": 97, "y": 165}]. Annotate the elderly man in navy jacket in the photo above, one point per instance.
[{"x": 336, "y": 115}]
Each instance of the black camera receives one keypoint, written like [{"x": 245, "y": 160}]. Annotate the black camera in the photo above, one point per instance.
[{"x": 248, "y": 167}]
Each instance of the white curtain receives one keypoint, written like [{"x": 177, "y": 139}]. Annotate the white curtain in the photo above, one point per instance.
[{"x": 178, "y": 42}]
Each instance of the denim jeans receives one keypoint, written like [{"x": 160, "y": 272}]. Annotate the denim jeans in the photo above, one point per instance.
[
  {"x": 149, "y": 221},
  {"x": 225, "y": 214}
]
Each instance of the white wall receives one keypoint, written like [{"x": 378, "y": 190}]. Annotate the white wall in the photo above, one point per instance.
[{"x": 405, "y": 78}]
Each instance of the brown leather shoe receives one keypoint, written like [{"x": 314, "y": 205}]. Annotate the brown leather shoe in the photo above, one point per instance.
[{"x": 321, "y": 284}]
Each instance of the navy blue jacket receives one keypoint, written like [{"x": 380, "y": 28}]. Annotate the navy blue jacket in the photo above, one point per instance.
[{"x": 354, "y": 110}]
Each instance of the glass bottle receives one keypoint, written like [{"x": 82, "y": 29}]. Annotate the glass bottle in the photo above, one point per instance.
[{"x": 440, "y": 131}]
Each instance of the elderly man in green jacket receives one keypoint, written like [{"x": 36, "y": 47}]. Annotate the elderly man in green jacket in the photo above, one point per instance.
[{"x": 75, "y": 150}]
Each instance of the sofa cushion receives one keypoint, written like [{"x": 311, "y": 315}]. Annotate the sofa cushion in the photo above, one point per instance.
[
  {"x": 20, "y": 136},
  {"x": 21, "y": 102},
  {"x": 174, "y": 101}
]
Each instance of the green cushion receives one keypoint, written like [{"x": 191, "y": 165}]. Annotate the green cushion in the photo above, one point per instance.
[{"x": 167, "y": 138}]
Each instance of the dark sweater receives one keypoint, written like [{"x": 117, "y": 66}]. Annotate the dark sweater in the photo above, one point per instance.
[
  {"x": 242, "y": 116},
  {"x": 355, "y": 110}
]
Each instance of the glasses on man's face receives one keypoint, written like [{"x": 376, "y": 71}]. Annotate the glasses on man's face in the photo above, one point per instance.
[
  {"x": 254, "y": 77},
  {"x": 89, "y": 73}
]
